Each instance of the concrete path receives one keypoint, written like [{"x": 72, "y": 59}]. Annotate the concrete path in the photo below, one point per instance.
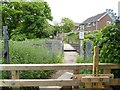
[{"x": 69, "y": 58}]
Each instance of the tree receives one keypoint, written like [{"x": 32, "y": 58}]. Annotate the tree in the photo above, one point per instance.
[
  {"x": 29, "y": 18},
  {"x": 57, "y": 28},
  {"x": 67, "y": 25}
]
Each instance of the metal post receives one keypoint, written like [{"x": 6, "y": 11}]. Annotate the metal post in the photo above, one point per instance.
[
  {"x": 6, "y": 48},
  {"x": 80, "y": 48},
  {"x": 81, "y": 37}
]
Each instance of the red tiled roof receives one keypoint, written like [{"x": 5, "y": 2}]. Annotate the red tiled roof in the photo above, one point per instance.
[{"x": 94, "y": 18}]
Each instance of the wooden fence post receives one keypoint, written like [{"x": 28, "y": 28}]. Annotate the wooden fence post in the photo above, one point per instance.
[
  {"x": 15, "y": 75},
  {"x": 76, "y": 71},
  {"x": 95, "y": 60},
  {"x": 107, "y": 71},
  {"x": 95, "y": 67}
]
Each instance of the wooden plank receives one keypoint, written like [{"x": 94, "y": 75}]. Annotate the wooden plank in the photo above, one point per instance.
[
  {"x": 37, "y": 82},
  {"x": 115, "y": 82},
  {"x": 79, "y": 76},
  {"x": 88, "y": 85},
  {"x": 44, "y": 66},
  {"x": 57, "y": 66},
  {"x": 46, "y": 82},
  {"x": 95, "y": 79},
  {"x": 66, "y": 75},
  {"x": 15, "y": 75},
  {"x": 106, "y": 85},
  {"x": 95, "y": 60},
  {"x": 107, "y": 71},
  {"x": 76, "y": 71}
]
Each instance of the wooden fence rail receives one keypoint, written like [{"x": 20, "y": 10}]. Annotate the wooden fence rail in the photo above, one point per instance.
[
  {"x": 84, "y": 66},
  {"x": 75, "y": 81}
]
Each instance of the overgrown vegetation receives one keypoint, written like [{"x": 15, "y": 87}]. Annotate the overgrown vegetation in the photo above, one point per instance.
[
  {"x": 33, "y": 52},
  {"x": 72, "y": 38},
  {"x": 108, "y": 40}
]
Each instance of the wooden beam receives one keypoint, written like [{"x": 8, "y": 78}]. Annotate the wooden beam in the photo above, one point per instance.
[
  {"x": 43, "y": 66},
  {"x": 79, "y": 76},
  {"x": 95, "y": 79},
  {"x": 15, "y": 75},
  {"x": 106, "y": 85},
  {"x": 115, "y": 82},
  {"x": 46, "y": 82},
  {"x": 76, "y": 71},
  {"x": 107, "y": 71},
  {"x": 83, "y": 66},
  {"x": 95, "y": 60},
  {"x": 37, "y": 82}
]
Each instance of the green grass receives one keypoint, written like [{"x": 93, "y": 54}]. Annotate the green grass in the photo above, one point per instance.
[
  {"x": 32, "y": 52},
  {"x": 80, "y": 59}
]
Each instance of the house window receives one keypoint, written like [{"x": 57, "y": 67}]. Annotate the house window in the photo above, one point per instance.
[
  {"x": 81, "y": 27},
  {"x": 89, "y": 25},
  {"x": 108, "y": 23},
  {"x": 94, "y": 23}
]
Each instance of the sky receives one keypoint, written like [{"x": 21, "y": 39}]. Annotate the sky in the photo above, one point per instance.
[{"x": 79, "y": 10}]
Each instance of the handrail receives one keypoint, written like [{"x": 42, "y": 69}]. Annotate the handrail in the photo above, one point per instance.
[{"x": 84, "y": 66}]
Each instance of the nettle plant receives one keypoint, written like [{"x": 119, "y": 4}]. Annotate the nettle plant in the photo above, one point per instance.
[{"x": 108, "y": 40}]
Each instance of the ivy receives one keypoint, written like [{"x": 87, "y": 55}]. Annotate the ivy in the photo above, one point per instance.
[{"x": 108, "y": 40}]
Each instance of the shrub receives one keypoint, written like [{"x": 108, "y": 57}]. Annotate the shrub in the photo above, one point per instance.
[
  {"x": 80, "y": 59},
  {"x": 72, "y": 38},
  {"x": 108, "y": 40},
  {"x": 19, "y": 37}
]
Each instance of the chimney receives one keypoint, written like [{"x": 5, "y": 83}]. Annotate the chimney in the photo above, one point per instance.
[{"x": 119, "y": 8}]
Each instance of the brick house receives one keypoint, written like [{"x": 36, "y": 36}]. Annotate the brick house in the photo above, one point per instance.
[{"x": 98, "y": 21}]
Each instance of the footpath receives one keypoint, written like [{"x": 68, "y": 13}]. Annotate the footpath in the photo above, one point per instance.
[{"x": 70, "y": 57}]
